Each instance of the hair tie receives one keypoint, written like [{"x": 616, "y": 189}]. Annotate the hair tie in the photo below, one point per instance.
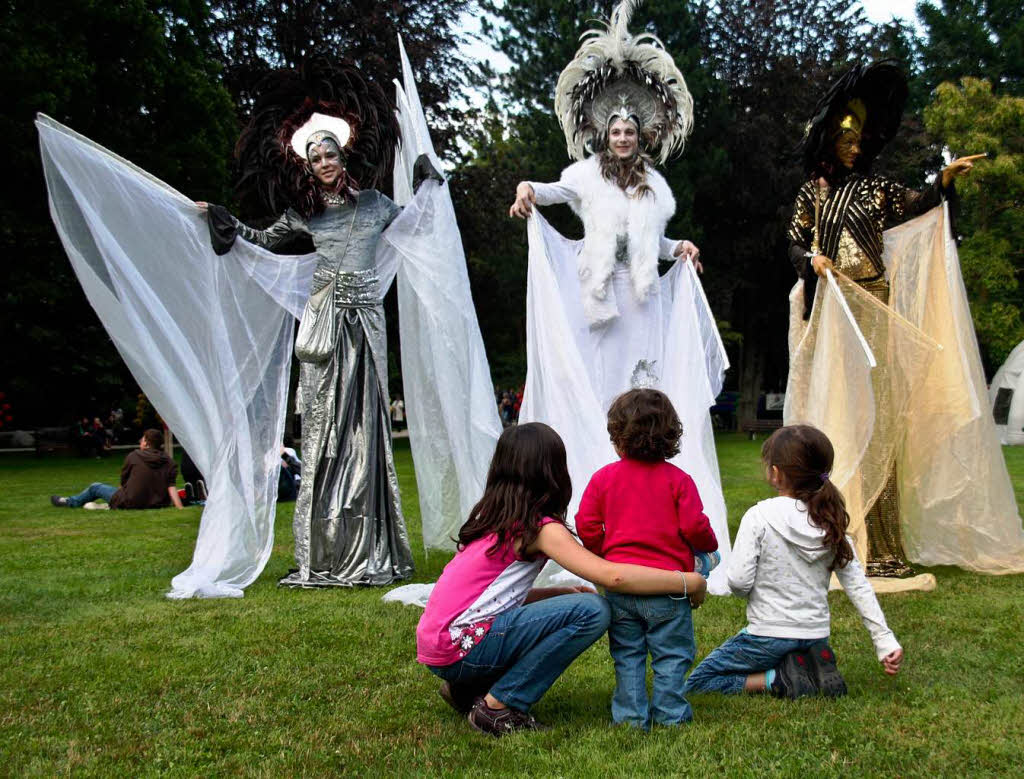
[{"x": 823, "y": 477}]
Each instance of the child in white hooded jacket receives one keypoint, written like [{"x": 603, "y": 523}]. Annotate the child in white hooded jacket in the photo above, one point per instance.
[{"x": 784, "y": 555}]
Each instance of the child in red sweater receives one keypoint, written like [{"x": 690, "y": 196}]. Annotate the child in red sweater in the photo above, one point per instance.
[{"x": 645, "y": 511}]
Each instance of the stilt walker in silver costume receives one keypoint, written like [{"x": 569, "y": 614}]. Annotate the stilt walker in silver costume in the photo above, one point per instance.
[
  {"x": 321, "y": 128},
  {"x": 210, "y": 339}
]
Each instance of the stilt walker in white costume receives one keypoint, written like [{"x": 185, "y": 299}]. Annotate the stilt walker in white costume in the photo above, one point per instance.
[{"x": 599, "y": 318}]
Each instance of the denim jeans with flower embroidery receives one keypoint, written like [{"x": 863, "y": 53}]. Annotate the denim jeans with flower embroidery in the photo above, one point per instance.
[{"x": 529, "y": 647}]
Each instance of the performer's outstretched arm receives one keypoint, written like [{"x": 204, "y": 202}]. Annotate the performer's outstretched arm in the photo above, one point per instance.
[
  {"x": 531, "y": 193},
  {"x": 224, "y": 228}
]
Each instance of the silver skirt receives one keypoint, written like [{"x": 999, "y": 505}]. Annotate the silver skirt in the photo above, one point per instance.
[{"x": 349, "y": 528}]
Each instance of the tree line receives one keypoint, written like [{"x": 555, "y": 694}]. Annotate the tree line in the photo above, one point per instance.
[{"x": 168, "y": 84}]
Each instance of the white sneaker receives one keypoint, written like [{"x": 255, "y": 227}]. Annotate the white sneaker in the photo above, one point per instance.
[{"x": 93, "y": 505}]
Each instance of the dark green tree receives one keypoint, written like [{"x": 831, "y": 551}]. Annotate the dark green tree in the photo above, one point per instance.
[
  {"x": 255, "y": 36},
  {"x": 979, "y": 38},
  {"x": 967, "y": 118},
  {"x": 141, "y": 78}
]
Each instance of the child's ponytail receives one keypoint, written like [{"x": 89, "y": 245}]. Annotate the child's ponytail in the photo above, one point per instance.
[{"x": 804, "y": 455}]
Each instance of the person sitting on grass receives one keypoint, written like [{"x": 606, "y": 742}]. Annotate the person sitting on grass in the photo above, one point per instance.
[
  {"x": 646, "y": 511},
  {"x": 497, "y": 642},
  {"x": 147, "y": 481},
  {"x": 786, "y": 550}
]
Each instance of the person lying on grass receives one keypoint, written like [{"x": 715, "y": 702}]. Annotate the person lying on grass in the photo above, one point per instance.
[
  {"x": 497, "y": 642},
  {"x": 784, "y": 555}
]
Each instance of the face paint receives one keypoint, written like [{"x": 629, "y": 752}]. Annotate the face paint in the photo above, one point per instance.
[{"x": 326, "y": 160}]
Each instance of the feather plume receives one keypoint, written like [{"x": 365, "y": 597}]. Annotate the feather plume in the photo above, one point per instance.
[{"x": 273, "y": 176}]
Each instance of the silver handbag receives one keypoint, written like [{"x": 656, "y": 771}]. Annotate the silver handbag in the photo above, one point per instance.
[{"x": 317, "y": 334}]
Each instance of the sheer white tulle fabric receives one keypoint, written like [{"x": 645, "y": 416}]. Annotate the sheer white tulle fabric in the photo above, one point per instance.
[
  {"x": 923, "y": 408},
  {"x": 452, "y": 417},
  {"x": 574, "y": 372},
  {"x": 209, "y": 340}
]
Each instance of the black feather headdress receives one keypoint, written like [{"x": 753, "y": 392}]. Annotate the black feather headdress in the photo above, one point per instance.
[
  {"x": 273, "y": 176},
  {"x": 882, "y": 88}
]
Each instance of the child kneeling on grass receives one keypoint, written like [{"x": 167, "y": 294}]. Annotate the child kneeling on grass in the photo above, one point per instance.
[
  {"x": 646, "y": 511},
  {"x": 784, "y": 555},
  {"x": 497, "y": 643}
]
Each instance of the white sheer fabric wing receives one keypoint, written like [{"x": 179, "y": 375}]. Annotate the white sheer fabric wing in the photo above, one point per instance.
[
  {"x": 207, "y": 338},
  {"x": 452, "y": 417}
]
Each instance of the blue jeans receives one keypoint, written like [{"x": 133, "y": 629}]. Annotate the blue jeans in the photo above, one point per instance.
[
  {"x": 726, "y": 669},
  {"x": 95, "y": 491},
  {"x": 661, "y": 626},
  {"x": 529, "y": 647}
]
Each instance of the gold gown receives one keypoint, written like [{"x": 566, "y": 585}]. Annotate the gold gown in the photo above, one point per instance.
[{"x": 853, "y": 212}]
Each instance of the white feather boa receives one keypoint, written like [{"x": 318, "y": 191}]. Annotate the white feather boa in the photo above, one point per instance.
[{"x": 608, "y": 212}]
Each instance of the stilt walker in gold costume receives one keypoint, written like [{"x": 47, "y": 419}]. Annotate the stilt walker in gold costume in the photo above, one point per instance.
[{"x": 840, "y": 214}]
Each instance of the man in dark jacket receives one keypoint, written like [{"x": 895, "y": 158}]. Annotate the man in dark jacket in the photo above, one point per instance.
[{"x": 147, "y": 481}]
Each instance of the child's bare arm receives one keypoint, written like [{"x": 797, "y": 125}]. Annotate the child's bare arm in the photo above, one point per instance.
[{"x": 556, "y": 542}]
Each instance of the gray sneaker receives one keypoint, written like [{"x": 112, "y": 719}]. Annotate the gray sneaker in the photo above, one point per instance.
[
  {"x": 500, "y": 722},
  {"x": 59, "y": 501},
  {"x": 793, "y": 677},
  {"x": 824, "y": 670}
]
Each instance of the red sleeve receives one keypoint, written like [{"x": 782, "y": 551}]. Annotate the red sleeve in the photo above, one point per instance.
[
  {"x": 694, "y": 527},
  {"x": 590, "y": 518}
]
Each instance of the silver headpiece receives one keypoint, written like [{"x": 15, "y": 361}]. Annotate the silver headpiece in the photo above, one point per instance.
[
  {"x": 644, "y": 376},
  {"x": 614, "y": 71},
  {"x": 319, "y": 128}
]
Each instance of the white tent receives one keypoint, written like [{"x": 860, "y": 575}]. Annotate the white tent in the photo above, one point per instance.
[{"x": 1006, "y": 397}]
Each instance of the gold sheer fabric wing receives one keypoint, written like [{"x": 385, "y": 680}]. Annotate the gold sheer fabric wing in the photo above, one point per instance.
[
  {"x": 860, "y": 407},
  {"x": 956, "y": 500},
  {"x": 922, "y": 407}
]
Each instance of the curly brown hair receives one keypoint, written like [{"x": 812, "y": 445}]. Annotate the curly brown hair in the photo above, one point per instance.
[{"x": 644, "y": 425}]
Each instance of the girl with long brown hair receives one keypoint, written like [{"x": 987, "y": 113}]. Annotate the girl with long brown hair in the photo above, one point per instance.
[
  {"x": 786, "y": 550},
  {"x": 496, "y": 641}
]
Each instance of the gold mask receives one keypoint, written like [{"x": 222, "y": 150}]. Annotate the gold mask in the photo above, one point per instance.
[{"x": 851, "y": 120}]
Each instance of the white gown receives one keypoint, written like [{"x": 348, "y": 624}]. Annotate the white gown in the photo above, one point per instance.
[{"x": 668, "y": 341}]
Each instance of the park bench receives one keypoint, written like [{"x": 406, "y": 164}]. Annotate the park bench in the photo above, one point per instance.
[{"x": 754, "y": 426}]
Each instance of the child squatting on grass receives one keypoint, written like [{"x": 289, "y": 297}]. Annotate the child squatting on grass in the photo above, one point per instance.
[
  {"x": 784, "y": 555},
  {"x": 497, "y": 643},
  {"x": 646, "y": 511}
]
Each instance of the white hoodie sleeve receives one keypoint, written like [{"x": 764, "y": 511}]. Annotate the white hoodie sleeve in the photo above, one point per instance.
[
  {"x": 746, "y": 550},
  {"x": 859, "y": 591}
]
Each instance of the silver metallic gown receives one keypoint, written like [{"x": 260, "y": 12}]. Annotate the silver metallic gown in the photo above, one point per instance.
[{"x": 349, "y": 528}]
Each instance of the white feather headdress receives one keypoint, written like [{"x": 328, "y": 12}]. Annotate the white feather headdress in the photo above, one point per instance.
[{"x": 618, "y": 75}]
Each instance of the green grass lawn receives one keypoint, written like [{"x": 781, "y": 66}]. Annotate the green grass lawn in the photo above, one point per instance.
[{"x": 101, "y": 675}]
